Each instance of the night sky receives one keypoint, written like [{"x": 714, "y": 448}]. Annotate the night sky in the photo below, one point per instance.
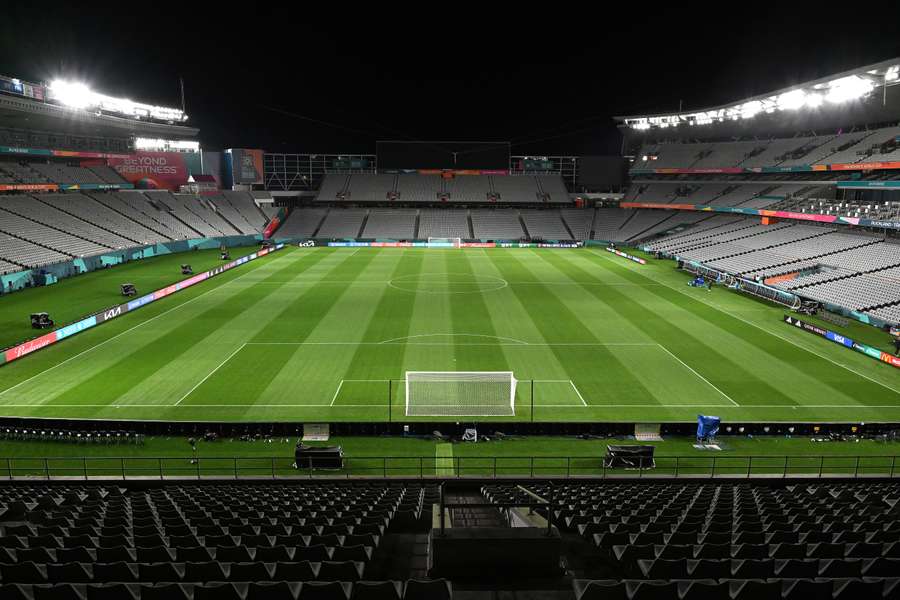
[{"x": 546, "y": 76}]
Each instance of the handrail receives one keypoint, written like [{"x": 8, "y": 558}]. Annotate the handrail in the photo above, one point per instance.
[
  {"x": 547, "y": 504},
  {"x": 743, "y": 466}
]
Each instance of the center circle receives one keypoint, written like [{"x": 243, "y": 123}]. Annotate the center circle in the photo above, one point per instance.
[{"x": 448, "y": 283}]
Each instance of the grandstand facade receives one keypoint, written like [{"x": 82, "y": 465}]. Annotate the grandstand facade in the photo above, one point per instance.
[{"x": 816, "y": 165}]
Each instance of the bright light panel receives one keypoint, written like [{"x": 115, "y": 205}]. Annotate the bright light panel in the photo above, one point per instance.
[
  {"x": 844, "y": 89},
  {"x": 79, "y": 96}
]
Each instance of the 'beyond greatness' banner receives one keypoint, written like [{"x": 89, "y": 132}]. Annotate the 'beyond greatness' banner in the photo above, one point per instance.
[
  {"x": 837, "y": 338},
  {"x": 45, "y": 340},
  {"x": 152, "y": 170}
]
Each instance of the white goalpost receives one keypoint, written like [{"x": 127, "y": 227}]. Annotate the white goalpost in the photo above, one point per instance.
[
  {"x": 460, "y": 394},
  {"x": 455, "y": 242}
]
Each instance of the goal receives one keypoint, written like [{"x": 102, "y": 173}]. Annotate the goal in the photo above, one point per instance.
[
  {"x": 460, "y": 394},
  {"x": 445, "y": 242}
]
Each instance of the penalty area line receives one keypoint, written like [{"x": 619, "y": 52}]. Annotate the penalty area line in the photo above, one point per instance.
[
  {"x": 210, "y": 374},
  {"x": 341, "y": 385},
  {"x": 705, "y": 380},
  {"x": 570, "y": 382},
  {"x": 336, "y": 392},
  {"x": 728, "y": 313}
]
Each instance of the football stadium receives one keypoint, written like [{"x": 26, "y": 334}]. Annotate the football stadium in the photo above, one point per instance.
[{"x": 436, "y": 368}]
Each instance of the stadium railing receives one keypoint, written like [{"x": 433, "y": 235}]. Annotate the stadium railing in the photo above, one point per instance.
[{"x": 456, "y": 467}]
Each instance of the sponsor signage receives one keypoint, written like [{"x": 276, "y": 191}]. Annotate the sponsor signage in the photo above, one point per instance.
[
  {"x": 618, "y": 252},
  {"x": 60, "y": 153},
  {"x": 28, "y": 187},
  {"x": 452, "y": 245},
  {"x": 30, "y": 346},
  {"x": 843, "y": 341},
  {"x": 867, "y": 166},
  {"x": 96, "y": 186},
  {"x": 839, "y": 339},
  {"x": 75, "y": 328},
  {"x": 247, "y": 165},
  {"x": 779, "y": 214},
  {"x": 45, "y": 340},
  {"x": 112, "y": 313},
  {"x": 859, "y": 185}
]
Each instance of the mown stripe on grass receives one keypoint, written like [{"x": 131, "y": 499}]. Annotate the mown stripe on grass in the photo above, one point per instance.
[
  {"x": 443, "y": 460},
  {"x": 430, "y": 320},
  {"x": 511, "y": 321},
  {"x": 558, "y": 323},
  {"x": 708, "y": 360},
  {"x": 391, "y": 320},
  {"x": 97, "y": 349},
  {"x": 164, "y": 352},
  {"x": 257, "y": 381},
  {"x": 71, "y": 299},
  {"x": 56, "y": 355},
  {"x": 786, "y": 357}
]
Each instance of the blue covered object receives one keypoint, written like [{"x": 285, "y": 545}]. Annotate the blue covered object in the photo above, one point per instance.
[{"x": 707, "y": 427}]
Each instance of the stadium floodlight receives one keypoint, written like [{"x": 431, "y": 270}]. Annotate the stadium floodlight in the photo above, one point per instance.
[
  {"x": 791, "y": 100},
  {"x": 848, "y": 88},
  {"x": 72, "y": 94},
  {"x": 748, "y": 110},
  {"x": 814, "y": 100},
  {"x": 79, "y": 96},
  {"x": 160, "y": 145},
  {"x": 839, "y": 90}
]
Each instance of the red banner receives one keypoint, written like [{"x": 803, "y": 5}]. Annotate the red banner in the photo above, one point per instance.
[
  {"x": 673, "y": 170},
  {"x": 152, "y": 170},
  {"x": 30, "y": 346},
  {"x": 657, "y": 205},
  {"x": 28, "y": 187},
  {"x": 867, "y": 166}
]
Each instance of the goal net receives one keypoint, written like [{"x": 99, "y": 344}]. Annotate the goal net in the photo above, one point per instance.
[
  {"x": 460, "y": 394},
  {"x": 445, "y": 242}
]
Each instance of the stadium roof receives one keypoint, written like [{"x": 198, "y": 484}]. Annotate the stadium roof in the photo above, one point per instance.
[
  {"x": 837, "y": 89},
  {"x": 25, "y": 113}
]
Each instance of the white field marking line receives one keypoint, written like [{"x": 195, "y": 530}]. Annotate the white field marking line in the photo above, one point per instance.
[
  {"x": 478, "y": 335},
  {"x": 570, "y": 382},
  {"x": 597, "y": 406},
  {"x": 118, "y": 335},
  {"x": 689, "y": 368},
  {"x": 211, "y": 373},
  {"x": 761, "y": 328},
  {"x": 580, "y": 397},
  {"x": 336, "y": 392},
  {"x": 508, "y": 345},
  {"x": 301, "y": 282}
]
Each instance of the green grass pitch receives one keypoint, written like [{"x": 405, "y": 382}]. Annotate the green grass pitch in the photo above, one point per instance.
[{"x": 316, "y": 334}]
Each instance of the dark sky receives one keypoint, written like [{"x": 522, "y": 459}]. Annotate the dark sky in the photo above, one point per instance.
[{"x": 545, "y": 76}]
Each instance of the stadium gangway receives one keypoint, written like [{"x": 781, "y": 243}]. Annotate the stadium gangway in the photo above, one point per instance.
[
  {"x": 707, "y": 466},
  {"x": 532, "y": 503}
]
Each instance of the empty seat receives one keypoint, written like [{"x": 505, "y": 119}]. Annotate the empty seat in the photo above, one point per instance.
[
  {"x": 376, "y": 590},
  {"x": 434, "y": 589}
]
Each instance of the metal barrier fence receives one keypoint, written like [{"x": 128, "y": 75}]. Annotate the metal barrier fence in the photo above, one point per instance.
[{"x": 431, "y": 467}]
